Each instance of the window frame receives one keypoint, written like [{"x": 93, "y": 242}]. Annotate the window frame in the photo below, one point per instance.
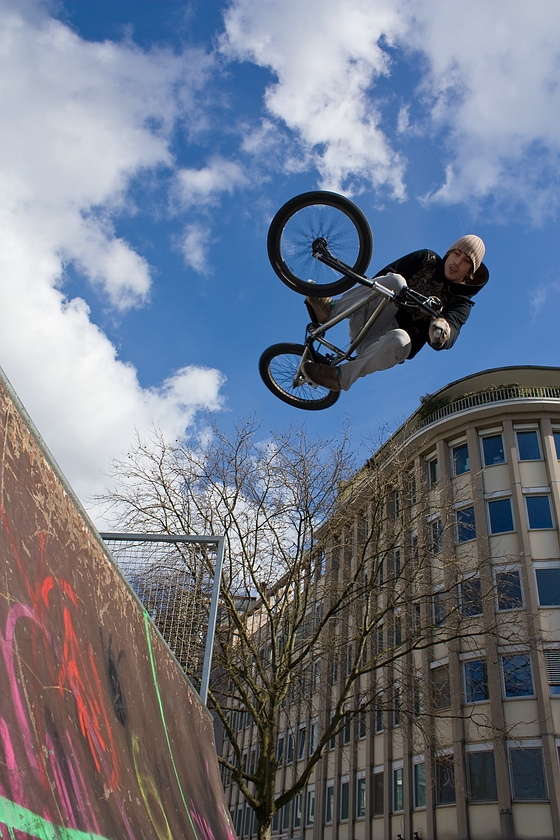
[
  {"x": 329, "y": 802},
  {"x": 467, "y": 681},
  {"x": 361, "y": 795},
  {"x": 453, "y": 448},
  {"x": 476, "y": 775},
  {"x": 474, "y": 582},
  {"x": 524, "y": 431},
  {"x": 505, "y": 570},
  {"x": 397, "y": 794},
  {"x": 539, "y": 495},
  {"x": 509, "y": 656},
  {"x": 417, "y": 784},
  {"x": 494, "y": 501},
  {"x": 527, "y": 747},
  {"x": 547, "y": 567},
  {"x": 344, "y": 803},
  {"x": 487, "y": 436},
  {"x": 467, "y": 526}
]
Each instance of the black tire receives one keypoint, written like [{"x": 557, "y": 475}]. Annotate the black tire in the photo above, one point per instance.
[
  {"x": 278, "y": 366},
  {"x": 311, "y": 216}
]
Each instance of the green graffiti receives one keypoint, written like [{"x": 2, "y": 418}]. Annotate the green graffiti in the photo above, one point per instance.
[
  {"x": 18, "y": 818},
  {"x": 153, "y": 664}
]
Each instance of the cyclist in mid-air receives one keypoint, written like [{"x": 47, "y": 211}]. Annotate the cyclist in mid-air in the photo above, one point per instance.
[{"x": 399, "y": 333}]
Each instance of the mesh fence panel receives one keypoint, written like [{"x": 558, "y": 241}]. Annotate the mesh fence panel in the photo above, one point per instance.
[{"x": 173, "y": 580}]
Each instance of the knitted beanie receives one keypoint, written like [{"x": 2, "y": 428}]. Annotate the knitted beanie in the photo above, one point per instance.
[{"x": 472, "y": 246}]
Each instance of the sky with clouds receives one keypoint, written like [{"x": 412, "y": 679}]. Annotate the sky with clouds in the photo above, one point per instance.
[{"x": 145, "y": 147}]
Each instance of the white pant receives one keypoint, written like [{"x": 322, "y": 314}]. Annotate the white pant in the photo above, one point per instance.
[{"x": 385, "y": 344}]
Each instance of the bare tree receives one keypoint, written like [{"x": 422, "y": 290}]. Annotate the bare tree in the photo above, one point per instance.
[{"x": 334, "y": 583}]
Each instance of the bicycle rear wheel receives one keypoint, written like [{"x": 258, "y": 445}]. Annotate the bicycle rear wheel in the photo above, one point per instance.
[
  {"x": 278, "y": 367},
  {"x": 318, "y": 215}
]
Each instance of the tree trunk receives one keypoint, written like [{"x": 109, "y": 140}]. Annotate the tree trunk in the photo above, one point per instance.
[{"x": 264, "y": 830}]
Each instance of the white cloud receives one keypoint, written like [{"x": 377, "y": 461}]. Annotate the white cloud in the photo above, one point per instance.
[
  {"x": 492, "y": 83},
  {"x": 488, "y": 92},
  {"x": 202, "y": 186},
  {"x": 194, "y": 246},
  {"x": 79, "y": 120},
  {"x": 325, "y": 56}
]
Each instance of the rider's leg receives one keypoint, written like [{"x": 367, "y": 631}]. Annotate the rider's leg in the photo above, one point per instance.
[
  {"x": 360, "y": 293},
  {"x": 384, "y": 352}
]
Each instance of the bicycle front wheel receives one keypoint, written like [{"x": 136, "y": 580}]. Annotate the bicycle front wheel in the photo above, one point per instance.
[
  {"x": 279, "y": 366},
  {"x": 318, "y": 215}
]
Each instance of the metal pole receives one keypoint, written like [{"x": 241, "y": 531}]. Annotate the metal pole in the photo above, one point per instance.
[{"x": 212, "y": 618}]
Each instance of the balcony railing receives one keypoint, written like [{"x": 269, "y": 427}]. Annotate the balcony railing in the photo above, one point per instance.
[{"x": 510, "y": 392}]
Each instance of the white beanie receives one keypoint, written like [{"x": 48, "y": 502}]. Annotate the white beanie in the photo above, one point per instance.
[{"x": 472, "y": 246}]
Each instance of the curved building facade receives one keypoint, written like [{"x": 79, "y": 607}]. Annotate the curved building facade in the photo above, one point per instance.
[{"x": 482, "y": 461}]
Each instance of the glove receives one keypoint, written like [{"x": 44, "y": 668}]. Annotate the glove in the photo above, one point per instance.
[{"x": 439, "y": 332}]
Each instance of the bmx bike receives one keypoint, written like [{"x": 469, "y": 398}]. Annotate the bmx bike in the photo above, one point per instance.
[{"x": 320, "y": 244}]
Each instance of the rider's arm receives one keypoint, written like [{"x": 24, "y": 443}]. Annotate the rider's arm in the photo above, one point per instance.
[{"x": 455, "y": 313}]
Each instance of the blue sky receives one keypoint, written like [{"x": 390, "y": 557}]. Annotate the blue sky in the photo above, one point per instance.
[{"x": 146, "y": 146}]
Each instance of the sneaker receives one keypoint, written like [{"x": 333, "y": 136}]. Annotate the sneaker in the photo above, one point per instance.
[
  {"x": 322, "y": 307},
  {"x": 327, "y": 376}
]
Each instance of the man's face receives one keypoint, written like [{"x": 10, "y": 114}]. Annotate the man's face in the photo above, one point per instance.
[{"x": 457, "y": 266}]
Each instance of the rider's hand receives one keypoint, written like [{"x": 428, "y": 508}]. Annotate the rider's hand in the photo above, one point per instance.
[{"x": 439, "y": 332}]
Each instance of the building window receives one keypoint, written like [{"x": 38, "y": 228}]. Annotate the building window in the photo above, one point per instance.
[
  {"x": 379, "y": 644},
  {"x": 360, "y": 797},
  {"x": 465, "y": 524},
  {"x": 528, "y": 446},
  {"x": 298, "y": 806},
  {"x": 411, "y": 489},
  {"x": 548, "y": 584},
  {"x": 362, "y": 724},
  {"x": 493, "y": 450},
  {"x": 290, "y": 748},
  {"x": 378, "y": 716},
  {"x": 344, "y": 798},
  {"x": 471, "y": 597},
  {"x": 438, "y": 609},
  {"x": 247, "y": 821},
  {"x": 445, "y": 780},
  {"x": 460, "y": 459},
  {"x": 419, "y": 772},
  {"x": 476, "y": 680},
  {"x": 396, "y": 705},
  {"x": 436, "y": 530},
  {"x": 280, "y": 749},
  {"x": 433, "y": 472},
  {"x": 527, "y": 773},
  {"x": 556, "y": 436},
  {"x": 239, "y": 820},
  {"x": 398, "y": 791},
  {"x": 539, "y": 514},
  {"x": 552, "y": 660},
  {"x": 310, "y": 806},
  {"x": 378, "y": 794},
  {"x": 500, "y": 516},
  {"x": 346, "y": 729},
  {"x": 440, "y": 687},
  {"x": 482, "y": 776},
  {"x": 518, "y": 679},
  {"x": 313, "y": 737},
  {"x": 285, "y": 817},
  {"x": 302, "y": 738},
  {"x": 508, "y": 589},
  {"x": 329, "y": 802}
]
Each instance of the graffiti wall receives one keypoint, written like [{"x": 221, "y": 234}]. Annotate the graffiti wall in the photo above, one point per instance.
[{"x": 101, "y": 736}]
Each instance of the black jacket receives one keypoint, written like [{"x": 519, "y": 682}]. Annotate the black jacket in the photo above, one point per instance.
[{"x": 423, "y": 271}]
